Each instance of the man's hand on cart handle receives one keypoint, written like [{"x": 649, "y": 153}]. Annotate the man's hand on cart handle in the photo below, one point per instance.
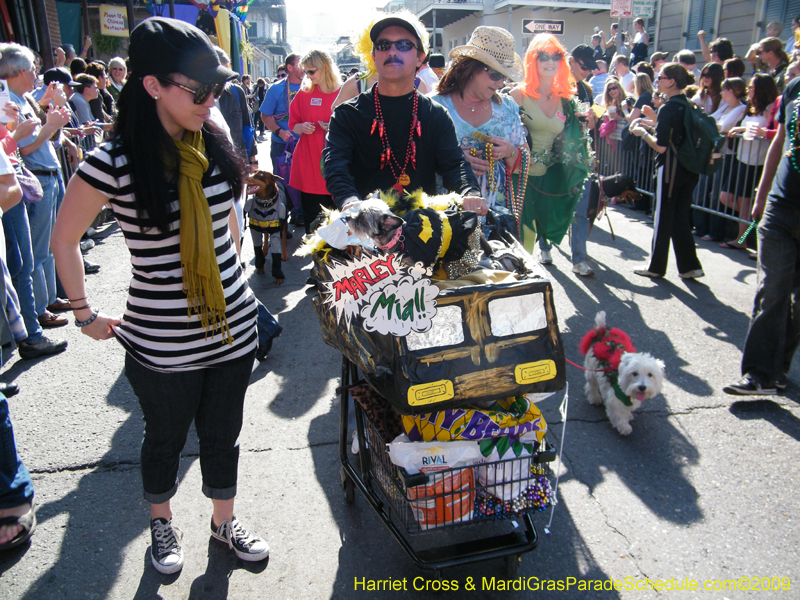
[
  {"x": 352, "y": 201},
  {"x": 476, "y": 204}
]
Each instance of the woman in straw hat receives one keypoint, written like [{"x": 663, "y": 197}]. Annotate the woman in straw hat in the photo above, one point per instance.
[
  {"x": 487, "y": 122},
  {"x": 560, "y": 154}
]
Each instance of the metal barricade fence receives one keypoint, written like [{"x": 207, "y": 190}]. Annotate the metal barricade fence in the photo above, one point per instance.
[
  {"x": 725, "y": 194},
  {"x": 86, "y": 144}
]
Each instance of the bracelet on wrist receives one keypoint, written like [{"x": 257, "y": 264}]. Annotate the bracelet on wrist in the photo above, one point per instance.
[{"x": 87, "y": 321}]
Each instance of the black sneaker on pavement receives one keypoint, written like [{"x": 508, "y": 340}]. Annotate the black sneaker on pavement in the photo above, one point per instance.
[
  {"x": 44, "y": 347},
  {"x": 89, "y": 267},
  {"x": 165, "y": 550},
  {"x": 244, "y": 544},
  {"x": 781, "y": 382},
  {"x": 748, "y": 386}
]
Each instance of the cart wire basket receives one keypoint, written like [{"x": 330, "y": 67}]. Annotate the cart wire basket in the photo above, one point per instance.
[{"x": 441, "y": 501}]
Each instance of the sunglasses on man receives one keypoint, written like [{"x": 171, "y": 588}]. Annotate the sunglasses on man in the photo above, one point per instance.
[
  {"x": 202, "y": 93},
  {"x": 384, "y": 45}
]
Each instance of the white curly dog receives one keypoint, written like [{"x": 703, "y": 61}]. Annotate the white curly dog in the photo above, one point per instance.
[{"x": 617, "y": 375}]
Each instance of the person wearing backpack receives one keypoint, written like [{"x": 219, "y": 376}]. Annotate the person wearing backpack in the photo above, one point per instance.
[{"x": 675, "y": 182}]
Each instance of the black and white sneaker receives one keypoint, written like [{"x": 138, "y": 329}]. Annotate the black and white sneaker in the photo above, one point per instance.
[
  {"x": 244, "y": 544},
  {"x": 781, "y": 382},
  {"x": 165, "y": 549},
  {"x": 748, "y": 386}
]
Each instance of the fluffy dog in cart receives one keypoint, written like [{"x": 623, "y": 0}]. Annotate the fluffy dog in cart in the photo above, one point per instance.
[{"x": 617, "y": 375}]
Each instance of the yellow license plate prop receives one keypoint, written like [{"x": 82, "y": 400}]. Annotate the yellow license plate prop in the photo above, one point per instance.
[
  {"x": 430, "y": 393},
  {"x": 541, "y": 370}
]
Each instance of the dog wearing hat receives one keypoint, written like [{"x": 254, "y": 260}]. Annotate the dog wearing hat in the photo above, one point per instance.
[{"x": 616, "y": 375}]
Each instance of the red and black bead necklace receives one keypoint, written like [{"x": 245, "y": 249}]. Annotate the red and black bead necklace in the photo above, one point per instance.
[{"x": 387, "y": 156}]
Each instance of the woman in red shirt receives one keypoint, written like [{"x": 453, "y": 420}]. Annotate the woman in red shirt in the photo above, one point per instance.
[{"x": 309, "y": 114}]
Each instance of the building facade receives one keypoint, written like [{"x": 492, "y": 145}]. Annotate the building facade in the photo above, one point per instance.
[{"x": 673, "y": 26}]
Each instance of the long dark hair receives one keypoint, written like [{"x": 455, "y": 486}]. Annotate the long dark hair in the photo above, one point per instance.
[
  {"x": 149, "y": 149},
  {"x": 764, "y": 94},
  {"x": 716, "y": 73},
  {"x": 460, "y": 72}
]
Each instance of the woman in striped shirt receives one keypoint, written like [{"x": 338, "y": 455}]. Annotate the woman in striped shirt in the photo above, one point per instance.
[{"x": 189, "y": 326}]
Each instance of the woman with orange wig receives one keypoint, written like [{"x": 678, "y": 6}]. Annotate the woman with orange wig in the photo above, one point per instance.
[{"x": 560, "y": 152}]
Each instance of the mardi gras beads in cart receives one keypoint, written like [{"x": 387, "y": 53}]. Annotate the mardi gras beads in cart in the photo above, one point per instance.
[{"x": 536, "y": 497}]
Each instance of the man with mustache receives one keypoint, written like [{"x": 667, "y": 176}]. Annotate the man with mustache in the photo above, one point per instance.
[{"x": 391, "y": 136}]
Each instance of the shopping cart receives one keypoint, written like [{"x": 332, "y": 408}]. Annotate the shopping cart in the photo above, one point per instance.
[
  {"x": 485, "y": 343},
  {"x": 448, "y": 499}
]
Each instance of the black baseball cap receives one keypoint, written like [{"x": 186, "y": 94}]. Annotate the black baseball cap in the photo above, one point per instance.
[
  {"x": 160, "y": 46},
  {"x": 59, "y": 74},
  {"x": 395, "y": 21},
  {"x": 585, "y": 55}
]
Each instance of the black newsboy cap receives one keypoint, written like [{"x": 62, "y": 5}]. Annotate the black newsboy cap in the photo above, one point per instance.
[{"x": 160, "y": 46}]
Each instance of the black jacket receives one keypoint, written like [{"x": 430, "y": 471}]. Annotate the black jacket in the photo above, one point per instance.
[
  {"x": 352, "y": 156},
  {"x": 233, "y": 106}
]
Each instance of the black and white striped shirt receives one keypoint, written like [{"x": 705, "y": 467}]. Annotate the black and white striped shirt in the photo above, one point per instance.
[{"x": 156, "y": 327}]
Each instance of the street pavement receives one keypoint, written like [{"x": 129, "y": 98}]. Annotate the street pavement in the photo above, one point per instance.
[{"x": 703, "y": 489}]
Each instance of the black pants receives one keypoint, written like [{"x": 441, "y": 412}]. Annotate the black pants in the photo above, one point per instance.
[
  {"x": 213, "y": 398},
  {"x": 311, "y": 206},
  {"x": 673, "y": 222}
]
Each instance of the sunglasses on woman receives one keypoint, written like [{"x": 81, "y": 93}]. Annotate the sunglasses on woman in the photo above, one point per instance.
[
  {"x": 613, "y": 89},
  {"x": 202, "y": 93},
  {"x": 494, "y": 75},
  {"x": 544, "y": 56},
  {"x": 310, "y": 72},
  {"x": 401, "y": 45}
]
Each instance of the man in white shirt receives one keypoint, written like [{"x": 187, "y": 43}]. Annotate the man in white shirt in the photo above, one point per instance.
[
  {"x": 621, "y": 67},
  {"x": 598, "y": 82}
]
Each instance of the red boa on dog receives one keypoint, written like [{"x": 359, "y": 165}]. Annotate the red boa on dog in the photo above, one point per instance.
[{"x": 608, "y": 345}]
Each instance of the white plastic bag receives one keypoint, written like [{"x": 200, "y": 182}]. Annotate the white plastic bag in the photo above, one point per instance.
[
  {"x": 449, "y": 495},
  {"x": 432, "y": 456}
]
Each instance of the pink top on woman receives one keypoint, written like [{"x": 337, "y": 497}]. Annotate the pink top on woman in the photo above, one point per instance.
[{"x": 310, "y": 107}]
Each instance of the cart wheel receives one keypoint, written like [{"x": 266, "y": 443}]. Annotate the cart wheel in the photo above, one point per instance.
[
  {"x": 512, "y": 565},
  {"x": 348, "y": 486}
]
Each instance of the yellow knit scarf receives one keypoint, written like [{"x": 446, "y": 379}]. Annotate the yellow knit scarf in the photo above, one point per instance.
[{"x": 201, "y": 278}]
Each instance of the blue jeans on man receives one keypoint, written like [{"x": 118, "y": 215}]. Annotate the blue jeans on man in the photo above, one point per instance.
[
  {"x": 268, "y": 329},
  {"x": 19, "y": 260},
  {"x": 16, "y": 487},
  {"x": 42, "y": 219}
]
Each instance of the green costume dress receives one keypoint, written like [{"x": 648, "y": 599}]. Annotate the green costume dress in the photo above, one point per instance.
[{"x": 560, "y": 161}]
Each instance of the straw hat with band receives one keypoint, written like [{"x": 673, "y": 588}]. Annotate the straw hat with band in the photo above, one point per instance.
[{"x": 494, "y": 47}]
